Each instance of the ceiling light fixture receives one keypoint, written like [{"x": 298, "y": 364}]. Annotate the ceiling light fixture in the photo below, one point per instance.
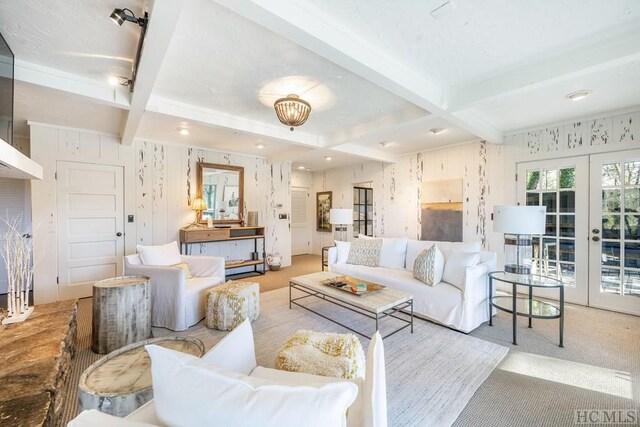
[
  {"x": 183, "y": 131},
  {"x": 301, "y": 167},
  {"x": 292, "y": 111},
  {"x": 328, "y": 158},
  {"x": 120, "y": 16},
  {"x": 578, "y": 95},
  {"x": 436, "y": 131},
  {"x": 119, "y": 80},
  {"x": 260, "y": 146}
]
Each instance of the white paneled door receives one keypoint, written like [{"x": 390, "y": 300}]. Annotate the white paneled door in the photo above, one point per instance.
[
  {"x": 300, "y": 230},
  {"x": 90, "y": 226}
]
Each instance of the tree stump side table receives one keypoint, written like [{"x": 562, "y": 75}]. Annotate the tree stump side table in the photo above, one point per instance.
[
  {"x": 121, "y": 313},
  {"x": 120, "y": 382}
]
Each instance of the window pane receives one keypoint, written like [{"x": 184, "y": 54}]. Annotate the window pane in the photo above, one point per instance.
[
  {"x": 356, "y": 216},
  {"x": 362, "y": 195},
  {"x": 610, "y": 226},
  {"x": 632, "y": 199},
  {"x": 361, "y": 209},
  {"x": 369, "y": 196},
  {"x": 610, "y": 281},
  {"x": 533, "y": 180},
  {"x": 632, "y": 173},
  {"x": 369, "y": 212},
  {"x": 567, "y": 226},
  {"x": 535, "y": 243},
  {"x": 611, "y": 200},
  {"x": 356, "y": 196},
  {"x": 632, "y": 255},
  {"x": 632, "y": 282},
  {"x": 611, "y": 253},
  {"x": 533, "y": 199},
  {"x": 567, "y": 250},
  {"x": 611, "y": 175},
  {"x": 356, "y": 228},
  {"x": 550, "y": 180},
  {"x": 550, "y": 225},
  {"x": 568, "y": 274},
  {"x": 632, "y": 227},
  {"x": 549, "y": 249},
  {"x": 549, "y": 200},
  {"x": 568, "y": 178},
  {"x": 369, "y": 228},
  {"x": 567, "y": 201}
]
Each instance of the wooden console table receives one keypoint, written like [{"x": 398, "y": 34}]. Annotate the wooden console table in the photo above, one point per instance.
[{"x": 217, "y": 235}]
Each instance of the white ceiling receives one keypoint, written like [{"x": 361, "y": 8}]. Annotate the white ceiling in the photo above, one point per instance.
[{"x": 373, "y": 70}]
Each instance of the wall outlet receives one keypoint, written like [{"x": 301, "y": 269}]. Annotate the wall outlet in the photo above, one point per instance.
[{"x": 283, "y": 216}]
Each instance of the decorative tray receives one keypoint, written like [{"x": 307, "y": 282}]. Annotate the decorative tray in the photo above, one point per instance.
[{"x": 349, "y": 285}]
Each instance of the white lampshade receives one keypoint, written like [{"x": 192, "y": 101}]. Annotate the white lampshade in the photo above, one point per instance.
[
  {"x": 199, "y": 204},
  {"x": 341, "y": 216},
  {"x": 519, "y": 219}
]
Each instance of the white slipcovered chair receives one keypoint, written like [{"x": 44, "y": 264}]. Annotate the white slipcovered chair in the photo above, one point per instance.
[
  {"x": 177, "y": 302},
  {"x": 236, "y": 353}
]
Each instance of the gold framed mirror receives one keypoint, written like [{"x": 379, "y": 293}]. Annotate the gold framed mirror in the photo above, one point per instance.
[{"x": 222, "y": 189}]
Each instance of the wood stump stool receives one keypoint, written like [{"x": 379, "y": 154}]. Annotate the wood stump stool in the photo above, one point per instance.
[
  {"x": 121, "y": 313},
  {"x": 120, "y": 382}
]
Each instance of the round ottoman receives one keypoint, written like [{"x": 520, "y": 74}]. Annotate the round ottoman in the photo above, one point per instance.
[
  {"x": 230, "y": 303},
  {"x": 322, "y": 353}
]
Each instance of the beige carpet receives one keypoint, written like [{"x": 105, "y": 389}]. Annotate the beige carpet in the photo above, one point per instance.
[
  {"x": 431, "y": 374},
  {"x": 301, "y": 264}
]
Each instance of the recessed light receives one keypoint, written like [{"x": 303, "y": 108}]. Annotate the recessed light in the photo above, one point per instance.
[
  {"x": 578, "y": 95},
  {"x": 436, "y": 131},
  {"x": 301, "y": 167},
  {"x": 260, "y": 146},
  {"x": 183, "y": 131},
  {"x": 113, "y": 80},
  {"x": 328, "y": 158},
  {"x": 308, "y": 170}
]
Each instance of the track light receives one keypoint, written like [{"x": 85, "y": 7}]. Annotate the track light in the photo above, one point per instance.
[{"x": 120, "y": 15}]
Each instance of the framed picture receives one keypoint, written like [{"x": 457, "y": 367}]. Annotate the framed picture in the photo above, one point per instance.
[{"x": 323, "y": 205}]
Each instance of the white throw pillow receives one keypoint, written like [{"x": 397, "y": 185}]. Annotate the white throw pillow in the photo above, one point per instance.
[
  {"x": 95, "y": 418},
  {"x": 455, "y": 267},
  {"x": 429, "y": 266},
  {"x": 236, "y": 351},
  {"x": 473, "y": 246},
  {"x": 168, "y": 254},
  {"x": 374, "y": 393},
  {"x": 189, "y": 391},
  {"x": 343, "y": 251},
  {"x": 365, "y": 252},
  {"x": 393, "y": 252},
  {"x": 414, "y": 248}
]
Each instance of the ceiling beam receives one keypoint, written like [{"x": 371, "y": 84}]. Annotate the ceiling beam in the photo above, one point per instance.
[
  {"x": 365, "y": 152},
  {"x": 581, "y": 62},
  {"x": 309, "y": 27},
  {"x": 209, "y": 117},
  {"x": 98, "y": 91},
  {"x": 163, "y": 20}
]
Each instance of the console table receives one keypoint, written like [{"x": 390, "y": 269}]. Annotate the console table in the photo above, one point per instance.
[
  {"x": 189, "y": 236},
  {"x": 526, "y": 307}
]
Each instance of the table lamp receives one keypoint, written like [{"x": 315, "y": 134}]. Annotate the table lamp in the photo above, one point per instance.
[
  {"x": 340, "y": 218},
  {"x": 518, "y": 223},
  {"x": 197, "y": 205}
]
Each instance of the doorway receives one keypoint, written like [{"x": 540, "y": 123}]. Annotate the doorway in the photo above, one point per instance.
[
  {"x": 300, "y": 228},
  {"x": 592, "y": 230}
]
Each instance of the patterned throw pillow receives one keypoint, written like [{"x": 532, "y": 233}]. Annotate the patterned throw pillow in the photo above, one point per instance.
[
  {"x": 365, "y": 252},
  {"x": 185, "y": 267},
  {"x": 429, "y": 266}
]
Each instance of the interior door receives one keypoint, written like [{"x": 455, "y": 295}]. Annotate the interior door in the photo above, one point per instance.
[
  {"x": 90, "y": 226},
  {"x": 300, "y": 230},
  {"x": 562, "y": 185},
  {"x": 615, "y": 231}
]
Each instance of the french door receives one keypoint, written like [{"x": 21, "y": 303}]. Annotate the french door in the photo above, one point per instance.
[{"x": 592, "y": 233}]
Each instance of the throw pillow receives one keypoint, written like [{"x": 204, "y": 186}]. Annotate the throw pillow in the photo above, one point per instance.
[
  {"x": 393, "y": 252},
  {"x": 455, "y": 268},
  {"x": 189, "y": 391},
  {"x": 429, "y": 266},
  {"x": 160, "y": 255},
  {"x": 185, "y": 267},
  {"x": 343, "y": 251},
  {"x": 365, "y": 252}
]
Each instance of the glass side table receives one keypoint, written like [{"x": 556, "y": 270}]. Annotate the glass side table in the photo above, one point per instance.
[
  {"x": 526, "y": 307},
  {"x": 325, "y": 256}
]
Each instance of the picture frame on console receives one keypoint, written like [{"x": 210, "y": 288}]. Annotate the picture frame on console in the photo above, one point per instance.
[{"x": 323, "y": 206}]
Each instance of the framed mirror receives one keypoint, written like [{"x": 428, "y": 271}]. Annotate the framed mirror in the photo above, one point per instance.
[{"x": 222, "y": 188}]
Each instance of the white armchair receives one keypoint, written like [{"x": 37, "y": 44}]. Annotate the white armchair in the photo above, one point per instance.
[
  {"x": 236, "y": 353},
  {"x": 177, "y": 302}
]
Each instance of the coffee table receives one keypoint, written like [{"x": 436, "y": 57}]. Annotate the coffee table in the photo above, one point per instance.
[{"x": 377, "y": 305}]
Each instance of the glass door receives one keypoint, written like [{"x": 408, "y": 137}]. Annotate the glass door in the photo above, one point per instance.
[
  {"x": 615, "y": 232},
  {"x": 562, "y": 186}
]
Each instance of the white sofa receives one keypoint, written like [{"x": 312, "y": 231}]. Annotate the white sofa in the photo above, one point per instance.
[
  {"x": 463, "y": 308},
  {"x": 177, "y": 302},
  {"x": 235, "y": 353}
]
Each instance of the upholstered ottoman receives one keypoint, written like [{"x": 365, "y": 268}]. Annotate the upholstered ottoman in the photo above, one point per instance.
[
  {"x": 322, "y": 353},
  {"x": 232, "y": 302}
]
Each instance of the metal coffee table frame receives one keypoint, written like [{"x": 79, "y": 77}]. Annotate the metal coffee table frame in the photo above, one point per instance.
[{"x": 391, "y": 312}]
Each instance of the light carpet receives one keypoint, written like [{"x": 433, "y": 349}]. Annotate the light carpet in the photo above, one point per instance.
[{"x": 431, "y": 374}]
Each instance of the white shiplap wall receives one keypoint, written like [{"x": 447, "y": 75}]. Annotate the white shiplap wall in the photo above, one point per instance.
[{"x": 160, "y": 181}]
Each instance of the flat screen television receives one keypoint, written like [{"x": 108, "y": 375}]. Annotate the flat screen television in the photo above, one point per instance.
[{"x": 6, "y": 91}]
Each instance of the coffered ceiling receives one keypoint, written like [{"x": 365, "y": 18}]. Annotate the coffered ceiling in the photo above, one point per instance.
[{"x": 379, "y": 74}]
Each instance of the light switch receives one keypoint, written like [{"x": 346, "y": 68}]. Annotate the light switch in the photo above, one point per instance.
[{"x": 283, "y": 216}]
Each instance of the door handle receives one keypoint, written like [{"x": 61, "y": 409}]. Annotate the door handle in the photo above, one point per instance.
[
  {"x": 118, "y": 234},
  {"x": 595, "y": 238}
]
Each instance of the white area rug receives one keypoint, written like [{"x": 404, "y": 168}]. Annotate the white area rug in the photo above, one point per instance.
[{"x": 431, "y": 374}]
